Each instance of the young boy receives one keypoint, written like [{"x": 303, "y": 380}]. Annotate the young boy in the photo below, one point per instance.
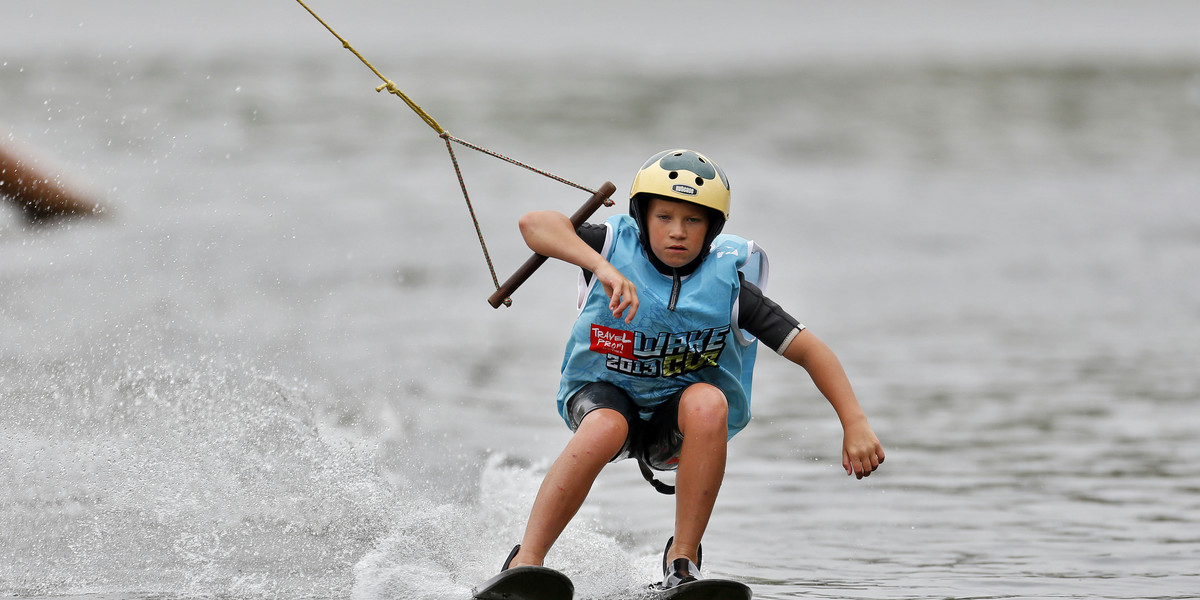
[{"x": 660, "y": 359}]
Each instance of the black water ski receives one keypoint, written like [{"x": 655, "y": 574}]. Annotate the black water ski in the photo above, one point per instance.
[
  {"x": 526, "y": 583},
  {"x": 707, "y": 589}
]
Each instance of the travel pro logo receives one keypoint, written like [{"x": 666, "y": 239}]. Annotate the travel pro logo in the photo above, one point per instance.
[{"x": 665, "y": 354}]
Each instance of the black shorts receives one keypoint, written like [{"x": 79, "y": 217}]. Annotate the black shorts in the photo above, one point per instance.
[{"x": 656, "y": 442}]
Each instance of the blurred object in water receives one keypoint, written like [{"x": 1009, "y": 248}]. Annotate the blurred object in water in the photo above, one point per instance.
[{"x": 39, "y": 195}]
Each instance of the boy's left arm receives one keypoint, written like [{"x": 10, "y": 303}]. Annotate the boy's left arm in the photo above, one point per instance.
[{"x": 861, "y": 451}]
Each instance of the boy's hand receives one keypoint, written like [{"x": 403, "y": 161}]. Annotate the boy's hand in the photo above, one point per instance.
[
  {"x": 861, "y": 451},
  {"x": 622, "y": 294}
]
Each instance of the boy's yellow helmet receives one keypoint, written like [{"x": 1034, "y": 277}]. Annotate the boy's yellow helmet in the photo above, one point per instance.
[{"x": 684, "y": 175}]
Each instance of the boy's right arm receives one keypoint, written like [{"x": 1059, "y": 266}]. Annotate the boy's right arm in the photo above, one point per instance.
[
  {"x": 861, "y": 451},
  {"x": 551, "y": 234}
]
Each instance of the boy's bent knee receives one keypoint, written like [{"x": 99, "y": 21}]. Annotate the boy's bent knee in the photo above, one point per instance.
[
  {"x": 703, "y": 405},
  {"x": 606, "y": 425}
]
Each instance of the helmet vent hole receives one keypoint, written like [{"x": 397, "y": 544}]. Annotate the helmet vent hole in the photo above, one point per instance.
[{"x": 674, "y": 175}]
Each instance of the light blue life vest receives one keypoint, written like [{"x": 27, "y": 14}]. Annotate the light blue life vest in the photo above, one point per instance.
[{"x": 663, "y": 351}]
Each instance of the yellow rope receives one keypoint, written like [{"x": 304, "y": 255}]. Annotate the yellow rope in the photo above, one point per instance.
[{"x": 388, "y": 84}]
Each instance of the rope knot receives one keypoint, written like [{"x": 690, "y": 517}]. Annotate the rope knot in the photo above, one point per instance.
[{"x": 390, "y": 85}]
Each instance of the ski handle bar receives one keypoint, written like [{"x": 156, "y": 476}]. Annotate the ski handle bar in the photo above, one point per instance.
[{"x": 503, "y": 294}]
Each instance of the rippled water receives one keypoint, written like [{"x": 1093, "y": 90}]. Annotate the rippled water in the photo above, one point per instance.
[{"x": 271, "y": 372}]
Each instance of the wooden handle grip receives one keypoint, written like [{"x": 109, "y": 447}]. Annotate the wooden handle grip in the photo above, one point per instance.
[{"x": 501, "y": 295}]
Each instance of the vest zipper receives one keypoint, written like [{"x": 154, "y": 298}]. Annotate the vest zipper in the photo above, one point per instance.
[{"x": 676, "y": 283}]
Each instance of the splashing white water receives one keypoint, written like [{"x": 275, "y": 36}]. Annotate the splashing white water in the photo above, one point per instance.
[
  {"x": 179, "y": 481},
  {"x": 440, "y": 551}
]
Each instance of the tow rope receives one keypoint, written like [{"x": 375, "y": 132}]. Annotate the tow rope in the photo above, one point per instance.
[{"x": 503, "y": 292}]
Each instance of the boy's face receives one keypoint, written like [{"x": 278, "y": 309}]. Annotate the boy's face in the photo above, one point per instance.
[{"x": 676, "y": 230}]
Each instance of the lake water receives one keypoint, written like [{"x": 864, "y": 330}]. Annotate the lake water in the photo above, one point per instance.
[{"x": 270, "y": 370}]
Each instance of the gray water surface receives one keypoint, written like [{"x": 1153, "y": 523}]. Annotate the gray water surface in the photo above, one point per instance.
[{"x": 270, "y": 371}]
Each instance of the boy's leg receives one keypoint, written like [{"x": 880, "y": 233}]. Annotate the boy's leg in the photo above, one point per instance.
[
  {"x": 598, "y": 438},
  {"x": 703, "y": 421}
]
